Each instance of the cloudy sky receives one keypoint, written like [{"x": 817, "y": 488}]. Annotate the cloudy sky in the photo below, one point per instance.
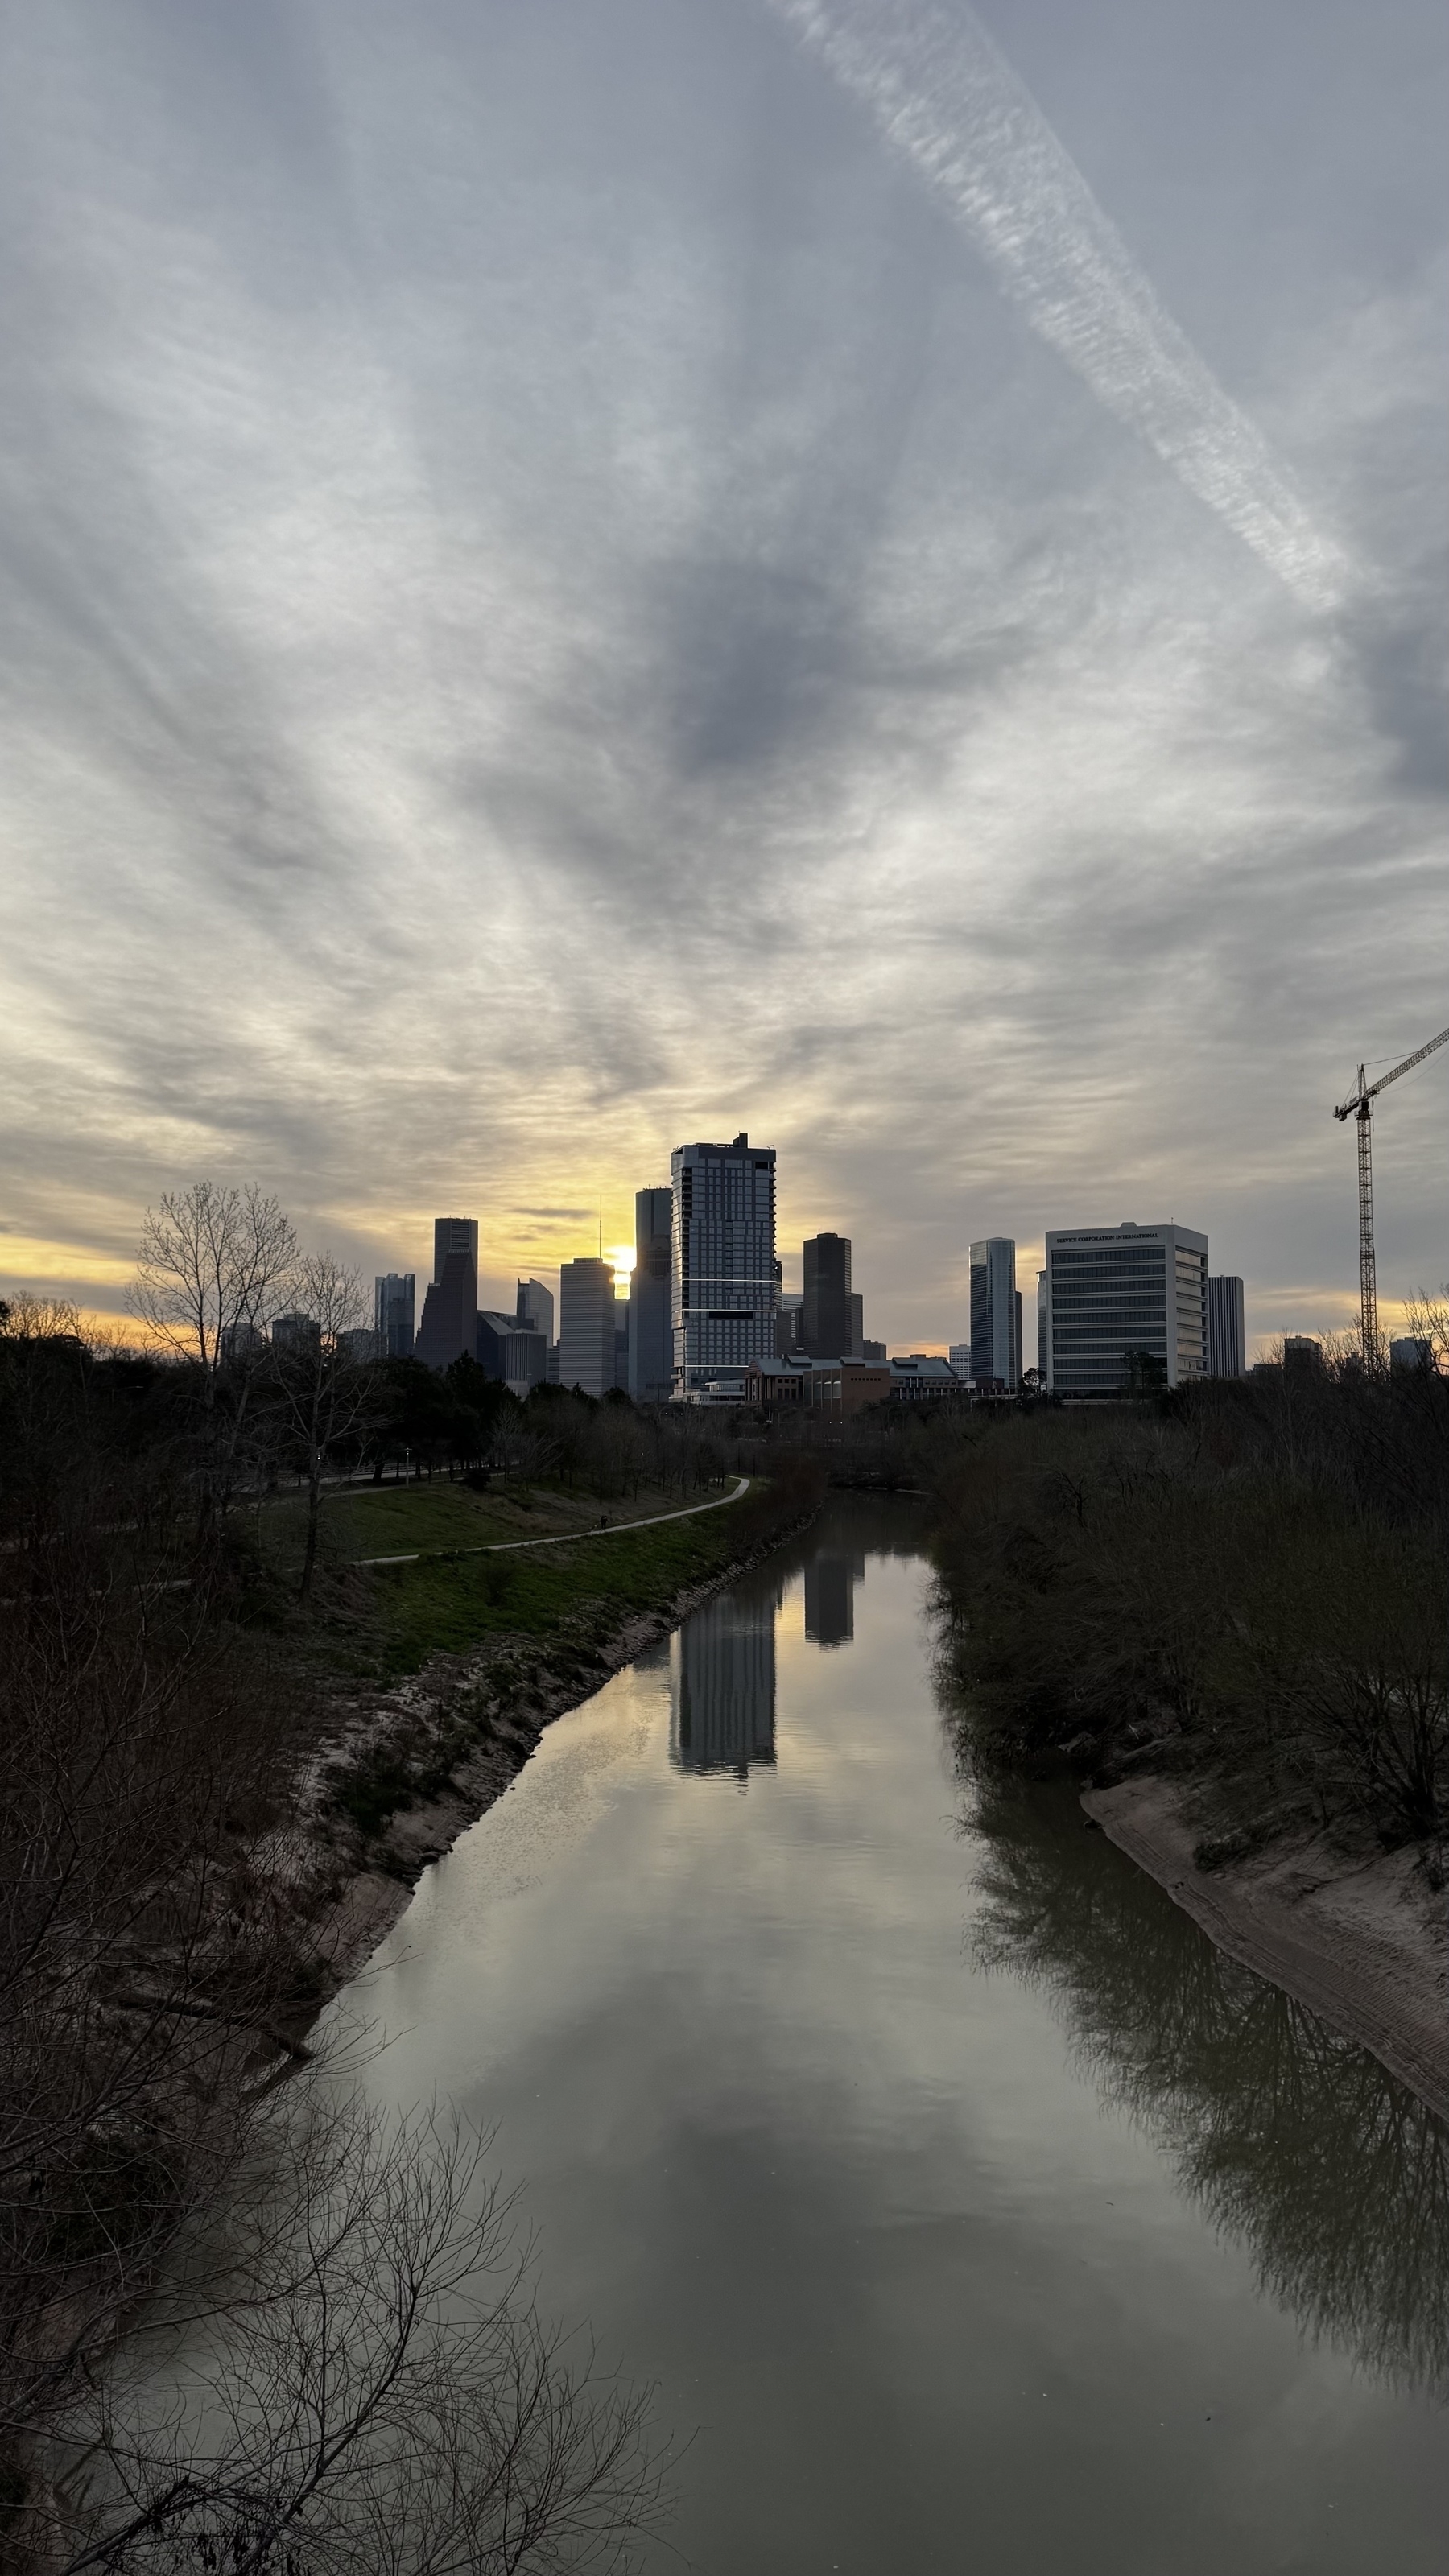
[{"x": 585, "y": 573}]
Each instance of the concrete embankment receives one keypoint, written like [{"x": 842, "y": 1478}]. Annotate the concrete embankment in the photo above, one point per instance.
[{"x": 1365, "y": 1945}]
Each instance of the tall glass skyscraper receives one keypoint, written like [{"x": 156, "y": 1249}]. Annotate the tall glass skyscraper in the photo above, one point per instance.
[
  {"x": 651, "y": 1326},
  {"x": 723, "y": 1285},
  {"x": 394, "y": 1309},
  {"x": 995, "y": 1313}
]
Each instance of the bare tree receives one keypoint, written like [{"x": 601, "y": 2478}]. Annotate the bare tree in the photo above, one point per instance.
[
  {"x": 213, "y": 1267},
  {"x": 377, "y": 2393},
  {"x": 324, "y": 1390}
]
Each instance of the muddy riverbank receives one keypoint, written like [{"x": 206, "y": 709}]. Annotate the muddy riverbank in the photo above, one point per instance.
[{"x": 1362, "y": 1943}]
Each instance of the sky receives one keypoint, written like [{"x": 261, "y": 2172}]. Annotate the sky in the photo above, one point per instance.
[{"x": 585, "y": 574}]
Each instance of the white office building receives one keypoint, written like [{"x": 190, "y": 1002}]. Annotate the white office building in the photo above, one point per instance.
[
  {"x": 1118, "y": 1296},
  {"x": 723, "y": 1262},
  {"x": 1226, "y": 1341}
]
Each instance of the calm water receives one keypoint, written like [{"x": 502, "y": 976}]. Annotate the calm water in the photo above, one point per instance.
[{"x": 969, "y": 2212}]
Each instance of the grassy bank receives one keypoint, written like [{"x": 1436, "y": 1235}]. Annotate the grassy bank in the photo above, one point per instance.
[{"x": 1248, "y": 1590}]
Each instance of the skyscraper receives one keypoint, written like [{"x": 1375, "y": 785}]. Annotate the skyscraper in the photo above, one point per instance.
[
  {"x": 723, "y": 1287},
  {"x": 449, "y": 1328},
  {"x": 829, "y": 1324},
  {"x": 651, "y": 1331},
  {"x": 1117, "y": 1289},
  {"x": 1227, "y": 1354},
  {"x": 535, "y": 1307},
  {"x": 393, "y": 1311},
  {"x": 586, "y": 1326},
  {"x": 995, "y": 1313}
]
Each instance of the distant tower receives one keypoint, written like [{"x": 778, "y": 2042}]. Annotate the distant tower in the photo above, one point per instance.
[
  {"x": 449, "y": 1328},
  {"x": 995, "y": 1312},
  {"x": 651, "y": 1332},
  {"x": 586, "y": 1326},
  {"x": 1227, "y": 1353},
  {"x": 535, "y": 1307},
  {"x": 723, "y": 1284},
  {"x": 394, "y": 1309},
  {"x": 830, "y": 1332}
]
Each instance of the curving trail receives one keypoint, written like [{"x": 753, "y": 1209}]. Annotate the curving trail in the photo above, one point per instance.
[{"x": 560, "y": 1538}]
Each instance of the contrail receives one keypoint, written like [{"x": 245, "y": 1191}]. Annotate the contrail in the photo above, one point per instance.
[{"x": 942, "y": 94}]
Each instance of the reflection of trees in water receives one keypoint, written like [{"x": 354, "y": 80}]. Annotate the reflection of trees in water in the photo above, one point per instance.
[{"x": 1293, "y": 2139}]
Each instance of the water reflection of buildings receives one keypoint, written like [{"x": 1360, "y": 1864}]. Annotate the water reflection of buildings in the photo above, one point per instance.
[
  {"x": 724, "y": 1698},
  {"x": 830, "y": 1580}
]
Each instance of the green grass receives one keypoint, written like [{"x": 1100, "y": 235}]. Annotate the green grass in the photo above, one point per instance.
[
  {"x": 387, "y": 1520},
  {"x": 448, "y": 1604}
]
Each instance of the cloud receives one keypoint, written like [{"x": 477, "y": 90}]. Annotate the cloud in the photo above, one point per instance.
[
  {"x": 944, "y": 95},
  {"x": 553, "y": 609}
]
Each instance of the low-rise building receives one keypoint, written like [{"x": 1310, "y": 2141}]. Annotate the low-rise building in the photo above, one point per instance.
[
  {"x": 850, "y": 1385},
  {"x": 922, "y": 1379}
]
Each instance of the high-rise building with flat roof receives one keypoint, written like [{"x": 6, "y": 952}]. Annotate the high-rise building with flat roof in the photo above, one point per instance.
[
  {"x": 1227, "y": 1348},
  {"x": 586, "y": 1326},
  {"x": 1124, "y": 1300},
  {"x": 449, "y": 1328},
  {"x": 651, "y": 1328},
  {"x": 995, "y": 1313},
  {"x": 535, "y": 1307},
  {"x": 829, "y": 1324},
  {"x": 723, "y": 1285},
  {"x": 394, "y": 1310}
]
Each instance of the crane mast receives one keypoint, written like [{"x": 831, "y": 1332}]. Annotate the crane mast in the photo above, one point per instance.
[{"x": 1359, "y": 1106}]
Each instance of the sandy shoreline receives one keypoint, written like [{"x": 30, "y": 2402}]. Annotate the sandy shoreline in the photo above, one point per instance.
[{"x": 1365, "y": 1947}]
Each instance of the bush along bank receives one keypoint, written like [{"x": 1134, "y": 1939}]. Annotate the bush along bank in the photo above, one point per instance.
[{"x": 1229, "y": 1617}]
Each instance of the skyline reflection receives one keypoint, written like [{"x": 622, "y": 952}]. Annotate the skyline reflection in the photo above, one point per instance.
[
  {"x": 831, "y": 1576},
  {"x": 722, "y": 1690}
]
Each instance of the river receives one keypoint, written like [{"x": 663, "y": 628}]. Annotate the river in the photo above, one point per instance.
[{"x": 968, "y": 2209}]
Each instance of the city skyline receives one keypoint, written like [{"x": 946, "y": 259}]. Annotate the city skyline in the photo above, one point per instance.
[{"x": 565, "y": 596}]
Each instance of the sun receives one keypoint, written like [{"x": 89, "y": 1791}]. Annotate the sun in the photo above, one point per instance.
[{"x": 621, "y": 1255}]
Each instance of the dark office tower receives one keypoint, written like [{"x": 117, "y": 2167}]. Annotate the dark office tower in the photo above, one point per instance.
[
  {"x": 830, "y": 1580},
  {"x": 586, "y": 1325},
  {"x": 1226, "y": 1351},
  {"x": 723, "y": 1285},
  {"x": 449, "y": 1328},
  {"x": 828, "y": 1320},
  {"x": 651, "y": 1332},
  {"x": 393, "y": 1312},
  {"x": 995, "y": 1313},
  {"x": 724, "y": 1703}
]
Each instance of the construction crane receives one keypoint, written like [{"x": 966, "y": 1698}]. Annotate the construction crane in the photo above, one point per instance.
[{"x": 1360, "y": 1107}]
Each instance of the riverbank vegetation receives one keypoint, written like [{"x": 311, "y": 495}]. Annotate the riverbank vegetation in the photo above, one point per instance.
[
  {"x": 1246, "y": 1584},
  {"x": 186, "y": 1636}
]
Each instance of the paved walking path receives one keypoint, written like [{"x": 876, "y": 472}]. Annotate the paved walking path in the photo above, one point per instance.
[{"x": 561, "y": 1538}]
